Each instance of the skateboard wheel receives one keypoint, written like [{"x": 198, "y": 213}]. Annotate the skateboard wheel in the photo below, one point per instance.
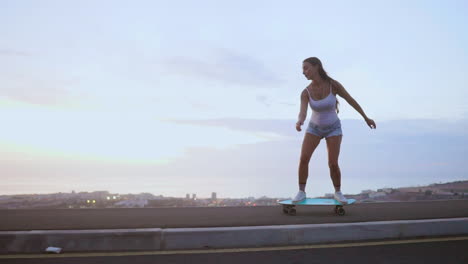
[
  {"x": 340, "y": 211},
  {"x": 292, "y": 211}
]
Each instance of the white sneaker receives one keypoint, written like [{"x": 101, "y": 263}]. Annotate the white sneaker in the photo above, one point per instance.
[
  {"x": 301, "y": 196},
  {"x": 339, "y": 197}
]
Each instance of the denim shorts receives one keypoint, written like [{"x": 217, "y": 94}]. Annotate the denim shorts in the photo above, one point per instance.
[{"x": 325, "y": 131}]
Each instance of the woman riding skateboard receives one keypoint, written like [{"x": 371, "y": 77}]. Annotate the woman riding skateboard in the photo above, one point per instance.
[{"x": 320, "y": 94}]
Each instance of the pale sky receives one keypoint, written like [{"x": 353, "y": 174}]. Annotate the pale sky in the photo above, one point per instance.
[{"x": 176, "y": 97}]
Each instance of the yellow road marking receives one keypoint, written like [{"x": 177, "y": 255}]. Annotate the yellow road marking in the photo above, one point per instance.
[{"x": 230, "y": 250}]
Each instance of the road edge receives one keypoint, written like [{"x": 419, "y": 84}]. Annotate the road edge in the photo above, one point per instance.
[{"x": 144, "y": 239}]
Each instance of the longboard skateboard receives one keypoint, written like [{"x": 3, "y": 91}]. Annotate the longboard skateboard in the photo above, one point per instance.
[{"x": 290, "y": 208}]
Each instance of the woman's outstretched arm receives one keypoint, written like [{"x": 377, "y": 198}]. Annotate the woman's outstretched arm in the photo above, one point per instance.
[{"x": 341, "y": 91}]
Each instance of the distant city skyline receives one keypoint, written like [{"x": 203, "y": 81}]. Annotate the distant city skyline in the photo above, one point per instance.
[
  {"x": 114, "y": 195},
  {"x": 189, "y": 97}
]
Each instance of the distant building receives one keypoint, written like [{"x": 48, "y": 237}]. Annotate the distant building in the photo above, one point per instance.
[
  {"x": 387, "y": 190},
  {"x": 171, "y": 202},
  {"x": 132, "y": 203},
  {"x": 213, "y": 196},
  {"x": 187, "y": 196},
  {"x": 446, "y": 193},
  {"x": 265, "y": 201},
  {"x": 377, "y": 194},
  {"x": 194, "y": 196}
]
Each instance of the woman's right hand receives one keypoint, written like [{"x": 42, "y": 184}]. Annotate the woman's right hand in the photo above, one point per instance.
[{"x": 298, "y": 127}]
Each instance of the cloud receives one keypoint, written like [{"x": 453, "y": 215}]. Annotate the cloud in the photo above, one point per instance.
[
  {"x": 278, "y": 126},
  {"x": 398, "y": 153},
  {"x": 263, "y": 99},
  {"x": 227, "y": 67},
  {"x": 392, "y": 128},
  {"x": 10, "y": 52},
  {"x": 24, "y": 81},
  {"x": 38, "y": 91},
  {"x": 287, "y": 104}
]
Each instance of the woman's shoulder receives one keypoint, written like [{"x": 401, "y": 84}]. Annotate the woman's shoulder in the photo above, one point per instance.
[
  {"x": 336, "y": 85},
  {"x": 305, "y": 94}
]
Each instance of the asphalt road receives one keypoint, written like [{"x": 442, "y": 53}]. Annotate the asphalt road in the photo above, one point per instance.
[
  {"x": 430, "y": 251},
  {"x": 45, "y": 219}
]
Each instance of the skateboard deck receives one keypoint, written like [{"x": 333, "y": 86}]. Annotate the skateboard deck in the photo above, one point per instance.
[{"x": 289, "y": 206}]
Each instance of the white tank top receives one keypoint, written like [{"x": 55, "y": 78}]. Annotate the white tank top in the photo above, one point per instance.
[{"x": 323, "y": 111}]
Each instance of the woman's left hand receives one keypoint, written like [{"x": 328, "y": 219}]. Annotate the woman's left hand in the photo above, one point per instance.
[{"x": 370, "y": 123}]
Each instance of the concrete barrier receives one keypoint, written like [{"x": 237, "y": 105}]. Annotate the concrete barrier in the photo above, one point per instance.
[
  {"x": 36, "y": 241},
  {"x": 257, "y": 236},
  {"x": 224, "y": 237}
]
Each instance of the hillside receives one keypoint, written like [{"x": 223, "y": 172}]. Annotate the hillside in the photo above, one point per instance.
[{"x": 440, "y": 191}]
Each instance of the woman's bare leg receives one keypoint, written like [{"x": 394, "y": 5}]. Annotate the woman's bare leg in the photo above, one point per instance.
[
  {"x": 309, "y": 144},
  {"x": 333, "y": 146}
]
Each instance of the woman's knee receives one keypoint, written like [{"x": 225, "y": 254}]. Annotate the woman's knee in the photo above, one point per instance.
[{"x": 333, "y": 165}]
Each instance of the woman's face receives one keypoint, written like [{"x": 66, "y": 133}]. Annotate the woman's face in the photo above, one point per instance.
[{"x": 309, "y": 70}]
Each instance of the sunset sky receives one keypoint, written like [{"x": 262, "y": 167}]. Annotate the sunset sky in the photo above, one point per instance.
[{"x": 176, "y": 97}]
